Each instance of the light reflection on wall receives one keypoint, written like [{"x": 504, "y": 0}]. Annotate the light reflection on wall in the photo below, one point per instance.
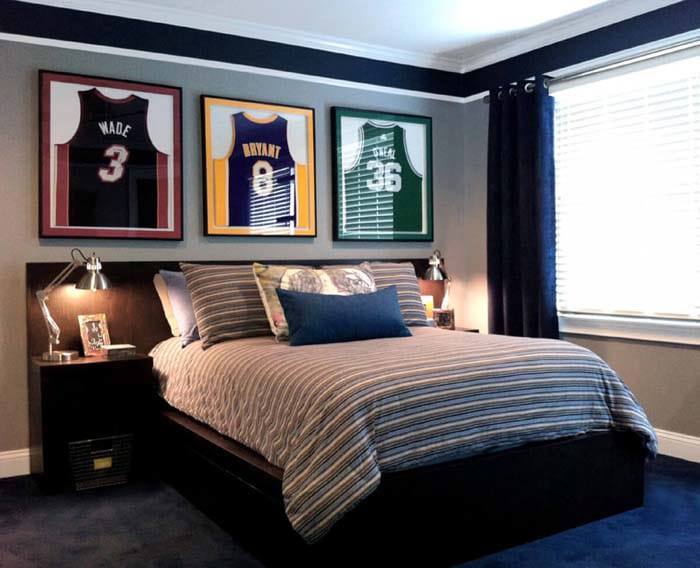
[{"x": 70, "y": 292}]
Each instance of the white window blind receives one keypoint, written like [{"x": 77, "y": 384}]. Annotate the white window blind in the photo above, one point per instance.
[{"x": 627, "y": 154}]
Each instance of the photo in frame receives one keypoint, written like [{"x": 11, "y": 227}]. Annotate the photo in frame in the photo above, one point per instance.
[
  {"x": 444, "y": 319},
  {"x": 94, "y": 333},
  {"x": 110, "y": 158},
  {"x": 382, "y": 176},
  {"x": 259, "y": 169}
]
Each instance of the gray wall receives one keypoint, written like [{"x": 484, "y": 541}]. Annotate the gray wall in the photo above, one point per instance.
[
  {"x": 470, "y": 247},
  {"x": 664, "y": 377},
  {"x": 19, "y": 175}
]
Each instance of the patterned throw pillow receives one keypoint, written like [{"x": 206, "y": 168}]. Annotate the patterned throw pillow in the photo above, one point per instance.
[
  {"x": 403, "y": 276},
  {"x": 344, "y": 281},
  {"x": 226, "y": 302}
]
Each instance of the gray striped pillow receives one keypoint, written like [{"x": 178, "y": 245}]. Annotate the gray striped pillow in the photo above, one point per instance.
[
  {"x": 403, "y": 276},
  {"x": 226, "y": 302}
]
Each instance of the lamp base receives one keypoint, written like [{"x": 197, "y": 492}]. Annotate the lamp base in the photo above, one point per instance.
[
  {"x": 51, "y": 356},
  {"x": 59, "y": 355}
]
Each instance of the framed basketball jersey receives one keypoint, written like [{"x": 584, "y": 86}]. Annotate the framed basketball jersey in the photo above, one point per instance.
[
  {"x": 111, "y": 162},
  {"x": 259, "y": 174},
  {"x": 382, "y": 166}
]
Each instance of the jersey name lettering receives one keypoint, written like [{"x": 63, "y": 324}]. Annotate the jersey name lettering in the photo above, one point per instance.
[
  {"x": 384, "y": 152},
  {"x": 261, "y": 149},
  {"x": 114, "y": 127}
]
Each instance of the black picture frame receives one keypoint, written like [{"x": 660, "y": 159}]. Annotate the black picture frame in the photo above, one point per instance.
[{"x": 340, "y": 232}]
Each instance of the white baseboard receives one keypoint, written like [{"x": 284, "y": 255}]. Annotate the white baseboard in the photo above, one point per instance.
[
  {"x": 679, "y": 445},
  {"x": 14, "y": 463}
]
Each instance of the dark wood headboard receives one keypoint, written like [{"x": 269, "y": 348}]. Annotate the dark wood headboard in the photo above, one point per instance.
[{"x": 134, "y": 313}]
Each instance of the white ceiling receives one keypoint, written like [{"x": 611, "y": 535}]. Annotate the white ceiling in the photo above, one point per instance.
[
  {"x": 455, "y": 35},
  {"x": 424, "y": 26}
]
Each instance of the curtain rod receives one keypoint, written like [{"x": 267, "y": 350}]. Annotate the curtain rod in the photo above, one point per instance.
[
  {"x": 651, "y": 54},
  {"x": 528, "y": 88}
]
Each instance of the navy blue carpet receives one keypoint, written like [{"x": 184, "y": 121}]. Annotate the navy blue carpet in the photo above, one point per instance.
[{"x": 150, "y": 524}]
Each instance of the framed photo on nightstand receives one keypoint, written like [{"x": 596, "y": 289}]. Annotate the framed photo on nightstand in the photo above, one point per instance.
[
  {"x": 444, "y": 319},
  {"x": 94, "y": 333}
]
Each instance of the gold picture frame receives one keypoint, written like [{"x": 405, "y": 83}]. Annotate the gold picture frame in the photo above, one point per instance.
[{"x": 94, "y": 333}]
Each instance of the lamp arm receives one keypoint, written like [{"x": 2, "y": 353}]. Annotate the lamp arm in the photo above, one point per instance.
[
  {"x": 43, "y": 297},
  {"x": 51, "y": 325},
  {"x": 61, "y": 276}
]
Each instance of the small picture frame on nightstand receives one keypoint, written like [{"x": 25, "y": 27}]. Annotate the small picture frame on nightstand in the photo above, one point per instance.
[
  {"x": 94, "y": 333},
  {"x": 444, "y": 319}
]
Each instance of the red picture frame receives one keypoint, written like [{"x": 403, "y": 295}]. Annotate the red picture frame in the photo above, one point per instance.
[{"x": 110, "y": 158}]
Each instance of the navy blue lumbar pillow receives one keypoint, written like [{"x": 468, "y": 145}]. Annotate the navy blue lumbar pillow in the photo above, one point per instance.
[{"x": 330, "y": 318}]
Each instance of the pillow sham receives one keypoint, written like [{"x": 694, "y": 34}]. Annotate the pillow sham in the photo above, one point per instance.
[
  {"x": 162, "y": 291},
  {"x": 332, "y": 318},
  {"x": 226, "y": 302},
  {"x": 403, "y": 276},
  {"x": 181, "y": 303},
  {"x": 342, "y": 281}
]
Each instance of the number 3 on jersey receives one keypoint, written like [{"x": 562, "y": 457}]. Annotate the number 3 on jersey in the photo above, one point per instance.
[
  {"x": 386, "y": 176},
  {"x": 115, "y": 170}
]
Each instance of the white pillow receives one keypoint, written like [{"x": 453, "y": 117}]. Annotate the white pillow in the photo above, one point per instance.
[{"x": 162, "y": 291}]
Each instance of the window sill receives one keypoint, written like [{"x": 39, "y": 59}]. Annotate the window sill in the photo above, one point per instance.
[{"x": 668, "y": 331}]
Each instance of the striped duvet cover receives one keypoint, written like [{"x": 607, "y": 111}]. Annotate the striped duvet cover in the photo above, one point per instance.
[{"x": 334, "y": 417}]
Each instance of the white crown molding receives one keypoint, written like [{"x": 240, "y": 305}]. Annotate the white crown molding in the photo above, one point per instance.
[
  {"x": 14, "y": 463},
  {"x": 461, "y": 61},
  {"x": 563, "y": 28},
  {"x": 678, "y": 445}
]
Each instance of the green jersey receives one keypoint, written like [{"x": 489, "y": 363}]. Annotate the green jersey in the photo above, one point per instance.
[{"x": 383, "y": 194}]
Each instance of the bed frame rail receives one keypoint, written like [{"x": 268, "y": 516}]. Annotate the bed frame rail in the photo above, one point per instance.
[{"x": 433, "y": 516}]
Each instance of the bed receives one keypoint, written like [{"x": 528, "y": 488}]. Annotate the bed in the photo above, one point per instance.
[{"x": 279, "y": 473}]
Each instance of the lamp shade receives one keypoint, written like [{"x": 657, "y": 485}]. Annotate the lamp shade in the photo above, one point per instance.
[
  {"x": 93, "y": 279},
  {"x": 434, "y": 271}
]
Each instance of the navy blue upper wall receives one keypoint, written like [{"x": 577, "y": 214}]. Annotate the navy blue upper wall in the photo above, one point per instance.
[{"x": 87, "y": 27}]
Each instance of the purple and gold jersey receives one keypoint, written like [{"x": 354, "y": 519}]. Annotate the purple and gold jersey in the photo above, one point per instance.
[{"x": 261, "y": 173}]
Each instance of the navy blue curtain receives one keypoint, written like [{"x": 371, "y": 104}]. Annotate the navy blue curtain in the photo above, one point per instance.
[{"x": 521, "y": 225}]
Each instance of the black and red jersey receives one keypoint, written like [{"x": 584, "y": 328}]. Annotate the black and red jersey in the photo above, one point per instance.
[{"x": 110, "y": 174}]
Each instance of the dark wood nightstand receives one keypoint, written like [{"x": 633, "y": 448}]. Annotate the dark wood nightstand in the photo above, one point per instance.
[{"x": 89, "y": 420}]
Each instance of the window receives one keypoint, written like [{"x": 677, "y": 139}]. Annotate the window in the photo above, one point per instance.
[{"x": 627, "y": 154}]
